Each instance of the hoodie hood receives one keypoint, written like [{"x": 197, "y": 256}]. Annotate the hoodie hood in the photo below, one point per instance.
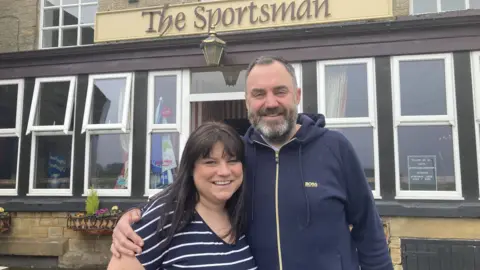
[{"x": 312, "y": 126}]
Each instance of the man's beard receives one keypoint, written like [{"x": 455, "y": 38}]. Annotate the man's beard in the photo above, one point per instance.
[{"x": 274, "y": 131}]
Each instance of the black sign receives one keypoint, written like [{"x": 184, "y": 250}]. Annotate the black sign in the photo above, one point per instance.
[{"x": 422, "y": 170}]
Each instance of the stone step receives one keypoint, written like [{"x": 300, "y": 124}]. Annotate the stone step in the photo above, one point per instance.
[{"x": 33, "y": 246}]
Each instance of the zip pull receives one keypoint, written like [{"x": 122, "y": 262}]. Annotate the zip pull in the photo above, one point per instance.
[{"x": 276, "y": 157}]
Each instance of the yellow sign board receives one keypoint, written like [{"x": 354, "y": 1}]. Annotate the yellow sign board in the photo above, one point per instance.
[{"x": 227, "y": 16}]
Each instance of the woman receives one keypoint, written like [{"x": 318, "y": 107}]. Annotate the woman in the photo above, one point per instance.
[{"x": 198, "y": 222}]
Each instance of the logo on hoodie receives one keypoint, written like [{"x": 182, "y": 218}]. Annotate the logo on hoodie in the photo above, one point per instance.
[{"x": 311, "y": 184}]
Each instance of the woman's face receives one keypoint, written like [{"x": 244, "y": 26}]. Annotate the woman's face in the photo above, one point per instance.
[{"x": 218, "y": 176}]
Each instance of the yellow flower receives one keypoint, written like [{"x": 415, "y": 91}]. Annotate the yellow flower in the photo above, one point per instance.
[
  {"x": 2, "y": 210},
  {"x": 114, "y": 208}
]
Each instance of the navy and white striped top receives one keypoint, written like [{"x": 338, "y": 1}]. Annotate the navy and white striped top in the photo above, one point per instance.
[{"x": 196, "y": 247}]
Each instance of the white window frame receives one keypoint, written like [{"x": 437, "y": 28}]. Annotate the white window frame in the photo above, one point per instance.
[
  {"x": 181, "y": 82},
  {"x": 15, "y": 132},
  {"x": 439, "y": 7},
  {"x": 426, "y": 120},
  {"x": 60, "y": 130},
  {"x": 125, "y": 127},
  {"x": 60, "y": 27},
  {"x": 369, "y": 121},
  {"x": 475, "y": 66},
  {"x": 69, "y": 109}
]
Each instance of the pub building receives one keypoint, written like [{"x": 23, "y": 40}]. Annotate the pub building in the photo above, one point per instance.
[{"x": 103, "y": 94}]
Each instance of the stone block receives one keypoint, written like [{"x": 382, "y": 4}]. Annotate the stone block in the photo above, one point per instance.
[
  {"x": 73, "y": 259},
  {"x": 60, "y": 215},
  {"x": 39, "y": 231},
  {"x": 394, "y": 242},
  {"x": 440, "y": 228},
  {"x": 55, "y": 232},
  {"x": 398, "y": 267},
  {"x": 81, "y": 245},
  {"x": 48, "y": 222},
  {"x": 396, "y": 255},
  {"x": 103, "y": 246},
  {"x": 67, "y": 233},
  {"x": 33, "y": 247}
]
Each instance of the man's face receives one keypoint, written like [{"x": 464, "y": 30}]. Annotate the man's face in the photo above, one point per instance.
[{"x": 272, "y": 100}]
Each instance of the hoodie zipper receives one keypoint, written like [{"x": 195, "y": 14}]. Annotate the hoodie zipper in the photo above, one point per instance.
[
  {"x": 280, "y": 263},
  {"x": 277, "y": 216}
]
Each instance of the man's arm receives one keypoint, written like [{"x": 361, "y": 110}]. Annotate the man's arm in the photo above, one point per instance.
[
  {"x": 367, "y": 231},
  {"x": 124, "y": 240}
]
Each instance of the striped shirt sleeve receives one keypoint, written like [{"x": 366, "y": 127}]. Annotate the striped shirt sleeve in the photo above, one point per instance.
[{"x": 146, "y": 228}]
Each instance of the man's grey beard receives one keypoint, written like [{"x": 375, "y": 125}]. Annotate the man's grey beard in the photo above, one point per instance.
[{"x": 278, "y": 134}]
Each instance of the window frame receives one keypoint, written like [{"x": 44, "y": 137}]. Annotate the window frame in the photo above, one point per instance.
[
  {"x": 60, "y": 27},
  {"x": 369, "y": 121},
  {"x": 123, "y": 125},
  {"x": 61, "y": 130},
  {"x": 475, "y": 67},
  {"x": 450, "y": 119},
  {"x": 439, "y": 7},
  {"x": 68, "y": 111},
  {"x": 125, "y": 128},
  {"x": 15, "y": 132},
  {"x": 164, "y": 128}
]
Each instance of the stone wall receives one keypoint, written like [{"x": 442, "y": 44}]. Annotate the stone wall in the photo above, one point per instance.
[
  {"x": 46, "y": 234},
  {"x": 18, "y": 25}
]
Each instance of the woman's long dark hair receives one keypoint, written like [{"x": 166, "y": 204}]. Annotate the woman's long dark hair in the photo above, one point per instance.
[{"x": 181, "y": 196}]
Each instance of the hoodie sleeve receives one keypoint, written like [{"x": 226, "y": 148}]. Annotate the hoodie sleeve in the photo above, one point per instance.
[{"x": 367, "y": 232}]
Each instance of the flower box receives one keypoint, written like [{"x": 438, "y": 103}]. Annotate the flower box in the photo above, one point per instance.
[
  {"x": 101, "y": 223},
  {"x": 5, "y": 221}
]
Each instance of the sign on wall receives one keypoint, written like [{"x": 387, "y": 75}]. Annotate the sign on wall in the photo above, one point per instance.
[
  {"x": 422, "y": 172},
  {"x": 227, "y": 16}
]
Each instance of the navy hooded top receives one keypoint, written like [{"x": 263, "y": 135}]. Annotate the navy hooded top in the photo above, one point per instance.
[{"x": 302, "y": 199}]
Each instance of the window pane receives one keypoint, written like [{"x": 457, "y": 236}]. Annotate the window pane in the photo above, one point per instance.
[
  {"x": 69, "y": 37},
  {"x": 8, "y": 162},
  {"x": 89, "y": 1},
  {"x": 422, "y": 87},
  {"x": 50, "y": 38},
  {"x": 53, "y": 156},
  {"x": 109, "y": 161},
  {"x": 8, "y": 106},
  {"x": 51, "y": 17},
  {"x": 70, "y": 16},
  {"x": 87, "y": 35},
  {"x": 362, "y": 141},
  {"x": 165, "y": 102},
  {"x": 164, "y": 159},
  {"x": 449, "y": 5},
  {"x": 227, "y": 81},
  {"x": 346, "y": 91},
  {"x": 426, "y": 158},
  {"x": 52, "y": 103},
  {"x": 424, "y": 6},
  {"x": 107, "y": 101},
  {"x": 474, "y": 4},
  {"x": 51, "y": 3},
  {"x": 70, "y": 2},
  {"x": 88, "y": 14}
]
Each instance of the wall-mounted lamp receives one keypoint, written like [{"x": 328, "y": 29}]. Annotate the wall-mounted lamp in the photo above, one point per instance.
[{"x": 213, "y": 48}]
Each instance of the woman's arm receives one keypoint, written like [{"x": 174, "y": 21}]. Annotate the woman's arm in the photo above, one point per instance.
[{"x": 125, "y": 263}]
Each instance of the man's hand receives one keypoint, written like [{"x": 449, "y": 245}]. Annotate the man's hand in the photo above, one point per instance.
[{"x": 124, "y": 239}]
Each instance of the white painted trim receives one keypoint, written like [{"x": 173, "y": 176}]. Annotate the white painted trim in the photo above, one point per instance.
[
  {"x": 298, "y": 75},
  {"x": 182, "y": 117},
  {"x": 217, "y": 96},
  {"x": 475, "y": 67},
  {"x": 439, "y": 7},
  {"x": 352, "y": 122},
  {"x": 15, "y": 132},
  {"x": 430, "y": 120},
  {"x": 32, "y": 191},
  {"x": 126, "y": 102},
  {"x": 126, "y": 127},
  {"x": 68, "y": 110}
]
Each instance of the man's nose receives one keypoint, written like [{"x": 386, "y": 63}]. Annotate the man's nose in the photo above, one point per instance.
[{"x": 271, "y": 101}]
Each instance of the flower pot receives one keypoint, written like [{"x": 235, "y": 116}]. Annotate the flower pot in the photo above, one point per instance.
[{"x": 5, "y": 222}]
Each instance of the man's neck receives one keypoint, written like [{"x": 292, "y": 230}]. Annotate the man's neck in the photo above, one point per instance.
[{"x": 276, "y": 145}]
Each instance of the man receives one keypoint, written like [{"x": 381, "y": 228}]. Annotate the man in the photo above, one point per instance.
[{"x": 305, "y": 186}]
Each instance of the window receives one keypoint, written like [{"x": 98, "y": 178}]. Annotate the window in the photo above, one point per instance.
[
  {"x": 67, "y": 23},
  {"x": 425, "y": 131},
  {"x": 51, "y": 125},
  {"x": 11, "y": 101},
  {"x": 475, "y": 56},
  {"x": 347, "y": 98},
  {"x": 108, "y": 124},
  {"x": 163, "y": 129},
  {"x": 433, "y": 6}
]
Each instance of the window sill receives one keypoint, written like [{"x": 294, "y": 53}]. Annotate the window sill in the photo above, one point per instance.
[{"x": 56, "y": 193}]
